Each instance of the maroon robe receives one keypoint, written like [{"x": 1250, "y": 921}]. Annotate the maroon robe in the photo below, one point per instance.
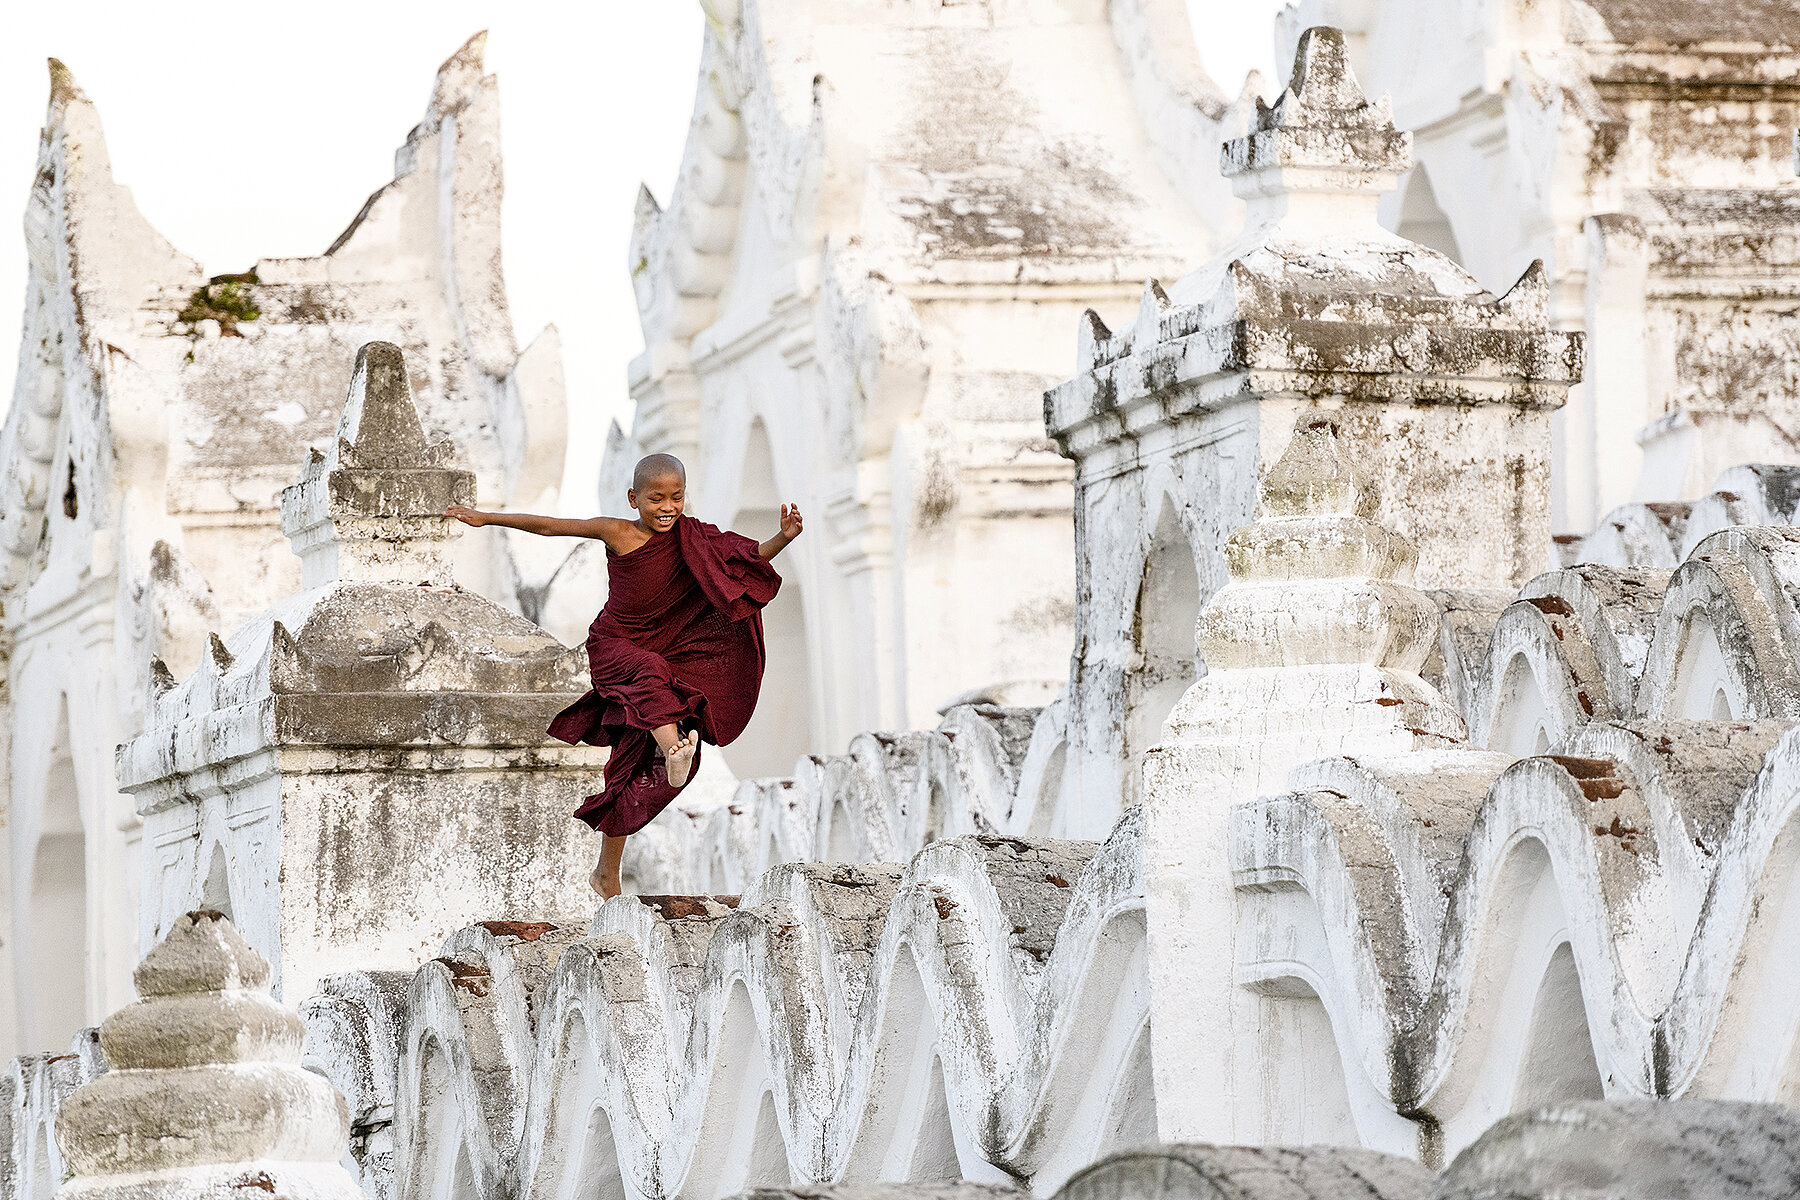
[{"x": 680, "y": 641}]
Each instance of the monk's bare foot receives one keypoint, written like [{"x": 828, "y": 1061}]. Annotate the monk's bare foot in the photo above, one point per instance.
[
  {"x": 679, "y": 762},
  {"x": 608, "y": 888}
]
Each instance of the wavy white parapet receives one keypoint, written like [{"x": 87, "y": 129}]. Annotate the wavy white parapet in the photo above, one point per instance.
[
  {"x": 986, "y": 769},
  {"x": 1718, "y": 637},
  {"x": 1481, "y": 934},
  {"x": 1663, "y": 533},
  {"x": 1484, "y": 934},
  {"x": 979, "y": 1014}
]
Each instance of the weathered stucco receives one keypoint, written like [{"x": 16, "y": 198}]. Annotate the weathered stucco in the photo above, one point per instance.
[
  {"x": 1643, "y": 152},
  {"x": 1380, "y": 846},
  {"x": 886, "y": 221},
  {"x": 363, "y": 768},
  {"x": 157, "y": 415}
]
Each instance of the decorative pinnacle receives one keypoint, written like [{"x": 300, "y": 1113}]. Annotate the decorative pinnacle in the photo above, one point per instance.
[
  {"x": 202, "y": 953},
  {"x": 1323, "y": 87},
  {"x": 1315, "y": 476},
  {"x": 371, "y": 509},
  {"x": 206, "y": 1096},
  {"x": 380, "y": 427},
  {"x": 63, "y": 88},
  {"x": 1323, "y": 133},
  {"x": 458, "y": 77},
  {"x": 1316, "y": 561},
  {"x": 1319, "y": 628},
  {"x": 1317, "y": 519}
]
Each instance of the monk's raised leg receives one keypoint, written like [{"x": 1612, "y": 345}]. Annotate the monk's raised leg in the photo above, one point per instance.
[
  {"x": 605, "y": 877},
  {"x": 678, "y": 752}
]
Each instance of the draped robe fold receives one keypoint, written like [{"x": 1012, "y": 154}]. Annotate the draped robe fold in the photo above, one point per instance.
[{"x": 679, "y": 641}]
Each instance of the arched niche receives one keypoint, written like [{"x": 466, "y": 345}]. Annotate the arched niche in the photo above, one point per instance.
[
  {"x": 1306, "y": 1096},
  {"x": 934, "y": 1145},
  {"x": 599, "y": 1176},
  {"x": 782, "y": 729},
  {"x": 1043, "y": 810},
  {"x": 53, "y": 945},
  {"x": 1423, "y": 220},
  {"x": 45, "y": 1168},
  {"x": 1558, "y": 1063},
  {"x": 215, "y": 893},
  {"x": 1703, "y": 688},
  {"x": 1131, "y": 1110},
  {"x": 841, "y": 843},
  {"x": 1521, "y": 721},
  {"x": 768, "y": 1166},
  {"x": 1163, "y": 660}
]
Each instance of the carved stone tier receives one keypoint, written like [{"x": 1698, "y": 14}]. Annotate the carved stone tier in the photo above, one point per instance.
[
  {"x": 364, "y": 767},
  {"x": 1319, "y": 636},
  {"x": 1446, "y": 389},
  {"x": 1442, "y": 390},
  {"x": 205, "y": 1096}
]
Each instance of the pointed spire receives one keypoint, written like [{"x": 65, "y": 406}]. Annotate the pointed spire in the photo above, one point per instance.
[
  {"x": 459, "y": 84},
  {"x": 63, "y": 88},
  {"x": 1146, "y": 330},
  {"x": 380, "y": 426},
  {"x": 1315, "y": 476},
  {"x": 287, "y": 662},
  {"x": 1091, "y": 338},
  {"x": 1528, "y": 299},
  {"x": 215, "y": 651},
  {"x": 372, "y": 508},
  {"x": 1324, "y": 88},
  {"x": 458, "y": 77},
  {"x": 1323, "y": 133}
]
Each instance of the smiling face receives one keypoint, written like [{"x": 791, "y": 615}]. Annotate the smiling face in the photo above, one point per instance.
[{"x": 659, "y": 501}]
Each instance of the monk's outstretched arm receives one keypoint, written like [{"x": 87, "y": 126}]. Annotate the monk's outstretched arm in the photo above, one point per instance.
[
  {"x": 604, "y": 529},
  {"x": 790, "y": 529}
]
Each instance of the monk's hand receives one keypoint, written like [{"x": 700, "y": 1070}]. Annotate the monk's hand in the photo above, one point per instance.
[
  {"x": 791, "y": 524},
  {"x": 468, "y": 516}
]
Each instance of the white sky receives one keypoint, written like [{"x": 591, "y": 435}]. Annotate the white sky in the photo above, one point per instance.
[{"x": 249, "y": 131}]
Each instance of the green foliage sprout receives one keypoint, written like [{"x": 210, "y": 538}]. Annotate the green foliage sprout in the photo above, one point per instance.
[{"x": 225, "y": 299}]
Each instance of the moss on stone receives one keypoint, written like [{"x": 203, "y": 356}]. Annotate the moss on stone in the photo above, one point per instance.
[{"x": 226, "y": 299}]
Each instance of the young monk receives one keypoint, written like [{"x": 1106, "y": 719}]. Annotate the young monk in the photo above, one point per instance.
[{"x": 676, "y": 654}]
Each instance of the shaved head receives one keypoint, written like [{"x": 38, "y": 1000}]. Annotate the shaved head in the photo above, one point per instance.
[{"x": 656, "y": 466}]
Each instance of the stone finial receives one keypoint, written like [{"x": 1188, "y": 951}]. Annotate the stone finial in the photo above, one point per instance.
[
  {"x": 371, "y": 509},
  {"x": 1323, "y": 134},
  {"x": 1320, "y": 605},
  {"x": 1316, "y": 581},
  {"x": 203, "y": 953},
  {"x": 380, "y": 427},
  {"x": 206, "y": 1096},
  {"x": 1315, "y": 476}
]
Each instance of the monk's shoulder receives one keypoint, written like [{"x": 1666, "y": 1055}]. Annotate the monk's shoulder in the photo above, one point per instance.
[{"x": 696, "y": 528}]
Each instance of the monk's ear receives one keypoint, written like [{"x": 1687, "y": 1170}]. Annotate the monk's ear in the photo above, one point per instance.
[{"x": 631, "y": 497}]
